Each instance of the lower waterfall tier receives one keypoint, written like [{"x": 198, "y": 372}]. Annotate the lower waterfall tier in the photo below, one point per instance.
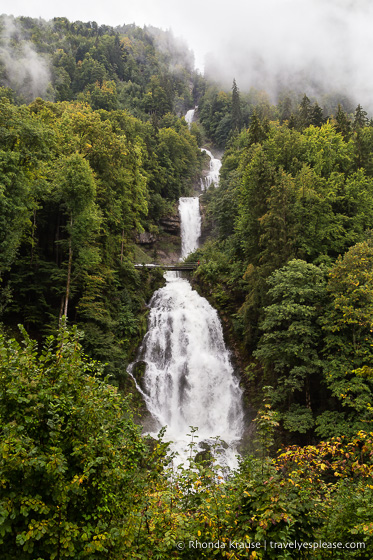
[{"x": 189, "y": 378}]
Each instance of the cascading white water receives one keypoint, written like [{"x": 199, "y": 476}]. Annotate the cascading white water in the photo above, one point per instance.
[
  {"x": 190, "y": 116},
  {"x": 190, "y": 219},
  {"x": 189, "y": 379},
  {"x": 215, "y": 163},
  {"x": 213, "y": 174}
]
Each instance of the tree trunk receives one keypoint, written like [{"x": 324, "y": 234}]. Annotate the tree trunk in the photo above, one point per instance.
[
  {"x": 57, "y": 238},
  {"x": 68, "y": 273},
  {"x": 61, "y": 309},
  {"x": 33, "y": 237}
]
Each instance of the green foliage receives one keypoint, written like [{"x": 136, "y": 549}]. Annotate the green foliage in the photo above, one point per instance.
[
  {"x": 145, "y": 70},
  {"x": 343, "y": 123},
  {"x": 298, "y": 419},
  {"x": 83, "y": 182},
  {"x": 215, "y": 115},
  {"x": 177, "y": 153},
  {"x": 222, "y": 115},
  {"x": 289, "y": 348},
  {"x": 293, "y": 198},
  {"x": 24, "y": 147},
  {"x": 236, "y": 108},
  {"x": 78, "y": 481},
  {"x": 266, "y": 423},
  {"x": 71, "y": 457},
  {"x": 348, "y": 333}
]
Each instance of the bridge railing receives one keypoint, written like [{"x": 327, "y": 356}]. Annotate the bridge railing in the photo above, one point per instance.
[{"x": 170, "y": 266}]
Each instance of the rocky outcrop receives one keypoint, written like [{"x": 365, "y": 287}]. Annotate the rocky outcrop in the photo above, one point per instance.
[
  {"x": 138, "y": 372},
  {"x": 171, "y": 224},
  {"x": 146, "y": 238}
]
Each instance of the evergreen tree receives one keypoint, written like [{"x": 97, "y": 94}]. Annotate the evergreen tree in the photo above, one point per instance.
[
  {"x": 305, "y": 113},
  {"x": 236, "y": 108},
  {"x": 360, "y": 119},
  {"x": 292, "y": 121},
  {"x": 285, "y": 108},
  {"x": 258, "y": 129},
  {"x": 258, "y": 178},
  {"x": 278, "y": 225},
  {"x": 362, "y": 139},
  {"x": 343, "y": 123},
  {"x": 317, "y": 118}
]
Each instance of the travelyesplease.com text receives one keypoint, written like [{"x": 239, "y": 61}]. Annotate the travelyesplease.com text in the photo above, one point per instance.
[{"x": 252, "y": 545}]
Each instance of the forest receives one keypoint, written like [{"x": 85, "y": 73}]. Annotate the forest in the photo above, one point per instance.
[{"x": 94, "y": 155}]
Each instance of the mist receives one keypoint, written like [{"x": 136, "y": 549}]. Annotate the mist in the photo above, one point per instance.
[
  {"x": 314, "y": 46},
  {"x": 311, "y": 46},
  {"x": 21, "y": 67},
  {"x": 175, "y": 48}
]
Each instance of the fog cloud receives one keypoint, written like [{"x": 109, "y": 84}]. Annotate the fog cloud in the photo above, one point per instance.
[
  {"x": 23, "y": 69},
  {"x": 175, "y": 48},
  {"x": 315, "y": 45}
]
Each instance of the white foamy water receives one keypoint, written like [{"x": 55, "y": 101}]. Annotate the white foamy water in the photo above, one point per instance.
[
  {"x": 189, "y": 379},
  {"x": 190, "y": 219},
  {"x": 214, "y": 171},
  {"x": 190, "y": 116}
]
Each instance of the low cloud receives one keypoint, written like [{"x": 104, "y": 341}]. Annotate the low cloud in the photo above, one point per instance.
[
  {"x": 175, "y": 48},
  {"x": 317, "y": 46},
  {"x": 21, "y": 67}
]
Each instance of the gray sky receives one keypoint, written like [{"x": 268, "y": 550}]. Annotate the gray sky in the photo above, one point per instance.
[{"x": 331, "y": 40}]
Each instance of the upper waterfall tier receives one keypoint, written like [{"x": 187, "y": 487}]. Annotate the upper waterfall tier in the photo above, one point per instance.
[
  {"x": 214, "y": 171},
  {"x": 190, "y": 116},
  {"x": 190, "y": 219}
]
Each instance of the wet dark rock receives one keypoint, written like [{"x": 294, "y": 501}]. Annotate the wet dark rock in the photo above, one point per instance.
[
  {"x": 146, "y": 238},
  {"x": 138, "y": 372},
  {"x": 204, "y": 456},
  {"x": 171, "y": 224}
]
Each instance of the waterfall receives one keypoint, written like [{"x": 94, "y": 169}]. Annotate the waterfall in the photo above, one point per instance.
[
  {"x": 189, "y": 379},
  {"x": 190, "y": 219},
  {"x": 190, "y": 116},
  {"x": 215, "y": 163},
  {"x": 213, "y": 174}
]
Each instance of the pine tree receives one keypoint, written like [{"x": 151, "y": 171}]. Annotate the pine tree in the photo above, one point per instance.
[
  {"x": 343, "y": 123},
  {"x": 236, "y": 108},
  {"x": 317, "y": 118},
  {"x": 360, "y": 119},
  {"x": 305, "y": 112},
  {"x": 285, "y": 109},
  {"x": 258, "y": 129},
  {"x": 362, "y": 148}
]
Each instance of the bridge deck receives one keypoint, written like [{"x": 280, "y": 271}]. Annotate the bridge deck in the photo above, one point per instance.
[{"x": 173, "y": 266}]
